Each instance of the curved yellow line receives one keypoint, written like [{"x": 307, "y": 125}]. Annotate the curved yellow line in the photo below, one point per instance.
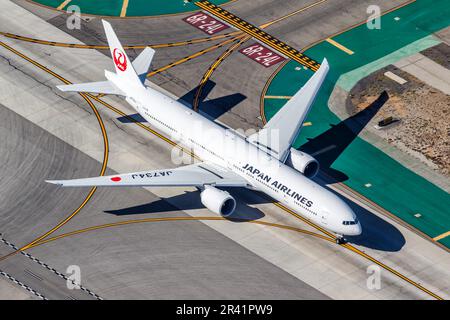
[
  {"x": 348, "y": 246},
  {"x": 214, "y": 218},
  {"x": 165, "y": 219},
  {"x": 213, "y": 68},
  {"x": 105, "y": 150},
  {"x": 193, "y": 56},
  {"x": 105, "y": 47}
]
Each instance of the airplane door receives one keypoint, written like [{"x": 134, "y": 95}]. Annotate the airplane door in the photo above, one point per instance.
[{"x": 324, "y": 216}]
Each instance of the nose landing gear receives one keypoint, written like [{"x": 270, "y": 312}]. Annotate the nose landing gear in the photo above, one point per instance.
[{"x": 340, "y": 240}]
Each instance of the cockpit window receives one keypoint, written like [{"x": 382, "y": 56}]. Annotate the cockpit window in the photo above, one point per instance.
[{"x": 350, "y": 223}]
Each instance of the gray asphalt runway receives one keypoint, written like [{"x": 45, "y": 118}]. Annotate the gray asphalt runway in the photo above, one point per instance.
[
  {"x": 167, "y": 260},
  {"x": 217, "y": 260},
  {"x": 237, "y": 84}
]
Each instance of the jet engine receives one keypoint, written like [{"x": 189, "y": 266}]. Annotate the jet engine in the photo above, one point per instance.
[
  {"x": 303, "y": 162},
  {"x": 218, "y": 201}
]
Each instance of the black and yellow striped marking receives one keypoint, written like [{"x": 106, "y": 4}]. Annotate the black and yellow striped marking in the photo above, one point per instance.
[{"x": 258, "y": 34}]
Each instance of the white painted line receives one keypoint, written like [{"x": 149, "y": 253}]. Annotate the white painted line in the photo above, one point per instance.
[
  {"x": 278, "y": 97},
  {"x": 395, "y": 77}
]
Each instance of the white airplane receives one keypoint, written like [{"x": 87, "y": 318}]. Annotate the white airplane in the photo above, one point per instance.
[{"x": 229, "y": 159}]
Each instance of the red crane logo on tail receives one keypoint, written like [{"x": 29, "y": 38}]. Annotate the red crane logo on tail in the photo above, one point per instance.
[{"x": 119, "y": 59}]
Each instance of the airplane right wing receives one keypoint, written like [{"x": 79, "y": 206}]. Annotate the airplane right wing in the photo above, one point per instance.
[
  {"x": 288, "y": 121},
  {"x": 196, "y": 175}
]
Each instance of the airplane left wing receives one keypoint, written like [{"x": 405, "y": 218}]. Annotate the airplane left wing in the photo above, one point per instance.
[
  {"x": 285, "y": 125},
  {"x": 197, "y": 175},
  {"x": 105, "y": 87}
]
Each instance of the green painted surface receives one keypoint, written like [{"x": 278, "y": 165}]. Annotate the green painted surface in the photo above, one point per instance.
[
  {"x": 350, "y": 79},
  {"x": 394, "y": 187},
  {"x": 135, "y": 7}
]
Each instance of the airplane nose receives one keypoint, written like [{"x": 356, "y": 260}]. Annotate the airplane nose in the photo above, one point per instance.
[{"x": 356, "y": 230}]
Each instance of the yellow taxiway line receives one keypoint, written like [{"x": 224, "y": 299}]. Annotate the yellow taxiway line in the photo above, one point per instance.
[
  {"x": 258, "y": 34},
  {"x": 165, "y": 219},
  {"x": 442, "y": 236},
  {"x": 263, "y": 26},
  {"x": 41, "y": 238},
  {"x": 104, "y": 47},
  {"x": 105, "y": 151},
  {"x": 339, "y": 46},
  {"x": 212, "y": 68},
  {"x": 193, "y": 56},
  {"x": 234, "y": 47},
  {"x": 123, "y": 12},
  {"x": 62, "y": 5}
]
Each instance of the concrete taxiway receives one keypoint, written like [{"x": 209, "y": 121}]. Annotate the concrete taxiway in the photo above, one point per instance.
[{"x": 58, "y": 136}]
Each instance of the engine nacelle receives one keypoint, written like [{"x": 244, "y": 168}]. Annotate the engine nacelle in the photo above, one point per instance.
[
  {"x": 218, "y": 201},
  {"x": 303, "y": 162}
]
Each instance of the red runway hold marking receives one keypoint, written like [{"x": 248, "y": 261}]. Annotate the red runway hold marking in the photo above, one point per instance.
[
  {"x": 263, "y": 55},
  {"x": 205, "y": 23}
]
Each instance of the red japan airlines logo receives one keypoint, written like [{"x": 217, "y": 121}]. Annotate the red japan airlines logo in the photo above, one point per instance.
[{"x": 119, "y": 59}]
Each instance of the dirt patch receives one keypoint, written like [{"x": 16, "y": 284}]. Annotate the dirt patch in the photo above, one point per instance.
[{"x": 424, "y": 114}]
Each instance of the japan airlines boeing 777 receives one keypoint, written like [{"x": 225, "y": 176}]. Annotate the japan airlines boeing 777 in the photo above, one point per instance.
[{"x": 229, "y": 159}]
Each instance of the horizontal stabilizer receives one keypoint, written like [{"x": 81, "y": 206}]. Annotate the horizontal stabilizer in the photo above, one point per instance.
[{"x": 105, "y": 87}]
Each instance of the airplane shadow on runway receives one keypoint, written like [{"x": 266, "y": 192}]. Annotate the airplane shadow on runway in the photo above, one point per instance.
[
  {"x": 190, "y": 200},
  {"x": 328, "y": 146},
  {"x": 377, "y": 233},
  {"x": 211, "y": 109}
]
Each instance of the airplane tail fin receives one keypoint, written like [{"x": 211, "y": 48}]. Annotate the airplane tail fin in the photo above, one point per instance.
[
  {"x": 124, "y": 68},
  {"x": 127, "y": 74}
]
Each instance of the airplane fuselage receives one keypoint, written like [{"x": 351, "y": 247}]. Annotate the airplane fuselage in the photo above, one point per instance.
[{"x": 214, "y": 143}]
